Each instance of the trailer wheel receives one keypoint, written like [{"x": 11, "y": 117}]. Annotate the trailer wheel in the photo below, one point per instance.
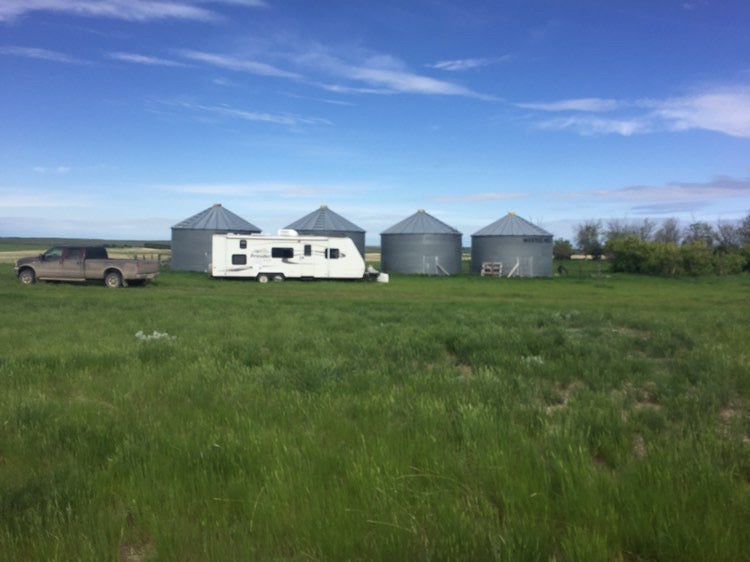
[
  {"x": 278, "y": 278},
  {"x": 113, "y": 280},
  {"x": 26, "y": 276},
  {"x": 262, "y": 278}
]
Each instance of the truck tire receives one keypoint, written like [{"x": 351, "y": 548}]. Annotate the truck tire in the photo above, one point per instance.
[
  {"x": 262, "y": 278},
  {"x": 278, "y": 278},
  {"x": 113, "y": 279},
  {"x": 26, "y": 276}
]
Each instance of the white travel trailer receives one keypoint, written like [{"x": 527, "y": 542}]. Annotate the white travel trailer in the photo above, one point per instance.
[{"x": 285, "y": 256}]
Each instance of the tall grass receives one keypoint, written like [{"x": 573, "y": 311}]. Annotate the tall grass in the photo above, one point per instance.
[{"x": 579, "y": 418}]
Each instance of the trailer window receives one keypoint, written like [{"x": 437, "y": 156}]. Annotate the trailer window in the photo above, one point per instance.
[
  {"x": 332, "y": 253},
  {"x": 243, "y": 244},
  {"x": 239, "y": 259},
  {"x": 282, "y": 252},
  {"x": 308, "y": 249}
]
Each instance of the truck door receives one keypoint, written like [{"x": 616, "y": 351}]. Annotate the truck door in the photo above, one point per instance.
[
  {"x": 50, "y": 263},
  {"x": 72, "y": 264}
]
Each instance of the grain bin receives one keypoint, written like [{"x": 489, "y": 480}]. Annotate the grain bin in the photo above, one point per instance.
[
  {"x": 191, "y": 238},
  {"x": 421, "y": 244},
  {"x": 324, "y": 222},
  {"x": 522, "y": 247}
]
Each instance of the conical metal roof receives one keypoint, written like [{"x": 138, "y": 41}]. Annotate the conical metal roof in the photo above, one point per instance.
[
  {"x": 421, "y": 223},
  {"x": 217, "y": 217},
  {"x": 511, "y": 225},
  {"x": 324, "y": 219}
]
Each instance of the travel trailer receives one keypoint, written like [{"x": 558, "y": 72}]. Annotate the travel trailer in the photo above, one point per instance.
[{"x": 288, "y": 255}]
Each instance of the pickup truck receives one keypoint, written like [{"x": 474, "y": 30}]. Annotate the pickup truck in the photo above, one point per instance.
[{"x": 76, "y": 263}]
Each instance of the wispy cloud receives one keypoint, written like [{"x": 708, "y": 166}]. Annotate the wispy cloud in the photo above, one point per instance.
[
  {"x": 144, "y": 59},
  {"x": 579, "y": 104},
  {"x": 371, "y": 74},
  {"x": 41, "y": 54},
  {"x": 459, "y": 65},
  {"x": 718, "y": 187},
  {"x": 130, "y": 10},
  {"x": 671, "y": 208},
  {"x": 479, "y": 197},
  {"x": 33, "y": 198},
  {"x": 237, "y": 64},
  {"x": 375, "y": 73},
  {"x": 287, "y": 119},
  {"x": 723, "y": 110},
  {"x": 286, "y": 190},
  {"x": 52, "y": 170},
  {"x": 589, "y": 126},
  {"x": 406, "y": 82}
]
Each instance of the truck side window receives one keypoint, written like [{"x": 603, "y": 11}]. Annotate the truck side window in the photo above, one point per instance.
[
  {"x": 239, "y": 259},
  {"x": 308, "y": 249},
  {"x": 332, "y": 253},
  {"x": 96, "y": 253},
  {"x": 73, "y": 254},
  {"x": 282, "y": 252},
  {"x": 243, "y": 244}
]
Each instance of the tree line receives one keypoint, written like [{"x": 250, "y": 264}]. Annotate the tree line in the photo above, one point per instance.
[{"x": 662, "y": 248}]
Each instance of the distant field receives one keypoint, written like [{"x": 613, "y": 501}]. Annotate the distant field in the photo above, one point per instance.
[{"x": 585, "y": 417}]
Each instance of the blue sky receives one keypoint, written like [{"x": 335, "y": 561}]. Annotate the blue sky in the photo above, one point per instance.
[{"x": 119, "y": 118}]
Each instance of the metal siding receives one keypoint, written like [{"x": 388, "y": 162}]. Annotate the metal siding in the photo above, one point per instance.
[
  {"x": 191, "y": 249},
  {"x": 507, "y": 249},
  {"x": 357, "y": 237},
  {"x": 416, "y": 253}
]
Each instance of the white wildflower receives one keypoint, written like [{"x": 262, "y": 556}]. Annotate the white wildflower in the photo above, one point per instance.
[{"x": 155, "y": 336}]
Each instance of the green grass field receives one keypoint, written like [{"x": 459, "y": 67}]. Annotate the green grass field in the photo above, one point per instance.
[{"x": 590, "y": 417}]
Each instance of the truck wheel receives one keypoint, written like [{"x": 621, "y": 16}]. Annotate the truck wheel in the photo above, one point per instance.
[
  {"x": 26, "y": 276},
  {"x": 113, "y": 280},
  {"x": 262, "y": 278},
  {"x": 278, "y": 278}
]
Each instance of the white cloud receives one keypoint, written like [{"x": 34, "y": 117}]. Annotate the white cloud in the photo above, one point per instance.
[
  {"x": 579, "y": 104},
  {"x": 237, "y": 64},
  {"x": 41, "y": 54},
  {"x": 143, "y": 59},
  {"x": 129, "y": 10},
  {"x": 723, "y": 110},
  {"x": 467, "y": 64},
  {"x": 726, "y": 111}
]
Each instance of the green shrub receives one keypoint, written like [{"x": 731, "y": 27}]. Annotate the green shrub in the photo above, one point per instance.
[{"x": 697, "y": 258}]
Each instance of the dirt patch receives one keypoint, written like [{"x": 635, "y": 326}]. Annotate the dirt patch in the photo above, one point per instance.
[
  {"x": 465, "y": 370},
  {"x": 565, "y": 394},
  {"x": 639, "y": 446},
  {"x": 137, "y": 552}
]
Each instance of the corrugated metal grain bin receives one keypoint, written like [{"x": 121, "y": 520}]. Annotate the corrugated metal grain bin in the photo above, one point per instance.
[
  {"x": 324, "y": 222},
  {"x": 191, "y": 238},
  {"x": 516, "y": 243},
  {"x": 421, "y": 244}
]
